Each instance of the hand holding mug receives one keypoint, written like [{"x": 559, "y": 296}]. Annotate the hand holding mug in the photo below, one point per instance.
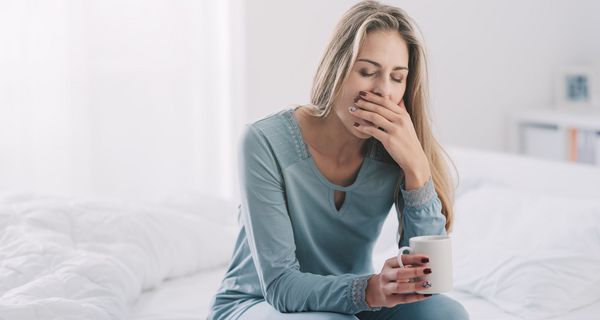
[
  {"x": 439, "y": 251},
  {"x": 397, "y": 285}
]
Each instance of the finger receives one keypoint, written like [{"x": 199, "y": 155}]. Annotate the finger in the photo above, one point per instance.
[
  {"x": 405, "y": 287},
  {"x": 412, "y": 273},
  {"x": 392, "y": 274},
  {"x": 382, "y": 101},
  {"x": 372, "y": 131},
  {"x": 378, "y": 120},
  {"x": 376, "y": 108},
  {"x": 406, "y": 298},
  {"x": 407, "y": 259},
  {"x": 414, "y": 259},
  {"x": 404, "y": 274},
  {"x": 391, "y": 263}
]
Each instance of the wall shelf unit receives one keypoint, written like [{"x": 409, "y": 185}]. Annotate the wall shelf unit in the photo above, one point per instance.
[{"x": 557, "y": 134}]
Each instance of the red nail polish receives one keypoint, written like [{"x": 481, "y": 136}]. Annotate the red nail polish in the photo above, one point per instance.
[
  {"x": 428, "y": 295},
  {"x": 362, "y": 93},
  {"x": 356, "y": 124},
  {"x": 425, "y": 260},
  {"x": 356, "y": 99}
]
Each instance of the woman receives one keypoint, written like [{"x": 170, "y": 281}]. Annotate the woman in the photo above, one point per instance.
[{"x": 319, "y": 180}]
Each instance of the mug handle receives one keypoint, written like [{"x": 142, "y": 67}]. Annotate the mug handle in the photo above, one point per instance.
[{"x": 401, "y": 252}]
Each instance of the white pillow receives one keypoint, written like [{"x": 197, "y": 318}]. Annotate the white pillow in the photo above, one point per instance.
[{"x": 531, "y": 254}]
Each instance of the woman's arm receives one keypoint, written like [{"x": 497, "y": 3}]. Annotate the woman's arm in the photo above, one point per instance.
[
  {"x": 421, "y": 212},
  {"x": 271, "y": 241},
  {"x": 393, "y": 127}
]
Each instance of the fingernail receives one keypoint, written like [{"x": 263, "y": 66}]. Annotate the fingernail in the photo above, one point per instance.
[
  {"x": 362, "y": 93},
  {"x": 356, "y": 99},
  {"x": 427, "y": 271},
  {"x": 425, "y": 260},
  {"x": 356, "y": 124},
  {"x": 352, "y": 109},
  {"x": 428, "y": 294}
]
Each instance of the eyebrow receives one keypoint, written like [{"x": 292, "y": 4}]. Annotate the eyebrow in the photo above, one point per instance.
[{"x": 377, "y": 64}]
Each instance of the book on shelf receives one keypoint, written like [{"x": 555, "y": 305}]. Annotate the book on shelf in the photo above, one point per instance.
[
  {"x": 597, "y": 148},
  {"x": 585, "y": 146},
  {"x": 576, "y": 145}
]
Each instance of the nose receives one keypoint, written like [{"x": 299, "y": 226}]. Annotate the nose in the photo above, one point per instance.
[{"x": 383, "y": 87}]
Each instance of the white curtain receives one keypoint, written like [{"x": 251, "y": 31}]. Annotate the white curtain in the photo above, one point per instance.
[{"x": 127, "y": 99}]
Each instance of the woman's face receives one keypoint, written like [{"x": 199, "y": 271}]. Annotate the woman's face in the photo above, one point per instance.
[{"x": 381, "y": 68}]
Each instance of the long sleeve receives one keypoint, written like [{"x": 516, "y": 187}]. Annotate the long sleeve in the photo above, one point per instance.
[
  {"x": 271, "y": 240},
  {"x": 422, "y": 212}
]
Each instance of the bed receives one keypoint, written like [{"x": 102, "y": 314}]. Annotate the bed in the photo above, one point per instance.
[{"x": 526, "y": 245}]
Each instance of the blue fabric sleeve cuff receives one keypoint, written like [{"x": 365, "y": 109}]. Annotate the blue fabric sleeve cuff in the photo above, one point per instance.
[
  {"x": 420, "y": 196},
  {"x": 359, "y": 293}
]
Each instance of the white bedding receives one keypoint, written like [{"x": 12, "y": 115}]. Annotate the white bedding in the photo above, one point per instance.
[
  {"x": 179, "y": 299},
  {"x": 478, "y": 170},
  {"x": 67, "y": 258},
  {"x": 188, "y": 298},
  {"x": 531, "y": 254},
  {"x": 74, "y": 259},
  {"x": 481, "y": 309}
]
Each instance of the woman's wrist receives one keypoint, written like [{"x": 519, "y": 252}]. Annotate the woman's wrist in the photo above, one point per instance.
[
  {"x": 415, "y": 179},
  {"x": 371, "y": 291}
]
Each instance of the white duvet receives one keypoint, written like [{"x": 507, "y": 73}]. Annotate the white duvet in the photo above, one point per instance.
[
  {"x": 533, "y": 255},
  {"x": 75, "y": 259}
]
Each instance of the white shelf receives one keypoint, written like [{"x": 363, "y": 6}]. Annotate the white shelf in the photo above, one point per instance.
[
  {"x": 577, "y": 118},
  {"x": 557, "y": 134}
]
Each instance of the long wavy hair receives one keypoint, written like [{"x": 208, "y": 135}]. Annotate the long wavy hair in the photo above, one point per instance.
[{"x": 338, "y": 59}]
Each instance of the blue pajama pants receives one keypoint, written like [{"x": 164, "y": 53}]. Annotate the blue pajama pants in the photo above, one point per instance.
[{"x": 436, "y": 307}]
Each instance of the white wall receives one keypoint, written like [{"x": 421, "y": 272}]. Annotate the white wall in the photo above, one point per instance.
[
  {"x": 128, "y": 99},
  {"x": 486, "y": 57}
]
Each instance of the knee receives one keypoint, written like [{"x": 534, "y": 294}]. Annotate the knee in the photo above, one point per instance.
[
  {"x": 451, "y": 309},
  {"x": 458, "y": 312},
  {"x": 437, "y": 307}
]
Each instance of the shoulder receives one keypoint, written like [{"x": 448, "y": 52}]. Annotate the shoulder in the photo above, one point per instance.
[
  {"x": 266, "y": 129},
  {"x": 272, "y": 136}
]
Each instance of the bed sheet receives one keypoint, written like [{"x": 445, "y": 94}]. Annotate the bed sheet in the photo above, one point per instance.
[
  {"x": 183, "y": 298},
  {"x": 188, "y": 298},
  {"x": 481, "y": 309}
]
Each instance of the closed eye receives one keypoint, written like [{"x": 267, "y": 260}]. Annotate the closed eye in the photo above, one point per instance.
[{"x": 366, "y": 75}]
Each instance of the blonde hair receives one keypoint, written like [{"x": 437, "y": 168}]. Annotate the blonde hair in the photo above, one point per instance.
[{"x": 339, "y": 57}]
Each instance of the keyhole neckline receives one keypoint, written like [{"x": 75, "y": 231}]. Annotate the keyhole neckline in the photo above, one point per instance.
[{"x": 361, "y": 171}]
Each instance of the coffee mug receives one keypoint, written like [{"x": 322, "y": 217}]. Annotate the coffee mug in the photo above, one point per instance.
[{"x": 439, "y": 251}]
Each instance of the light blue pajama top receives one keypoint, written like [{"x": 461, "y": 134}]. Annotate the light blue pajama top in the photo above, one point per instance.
[{"x": 295, "y": 249}]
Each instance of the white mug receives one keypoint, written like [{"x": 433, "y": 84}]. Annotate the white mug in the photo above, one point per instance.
[{"x": 439, "y": 251}]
